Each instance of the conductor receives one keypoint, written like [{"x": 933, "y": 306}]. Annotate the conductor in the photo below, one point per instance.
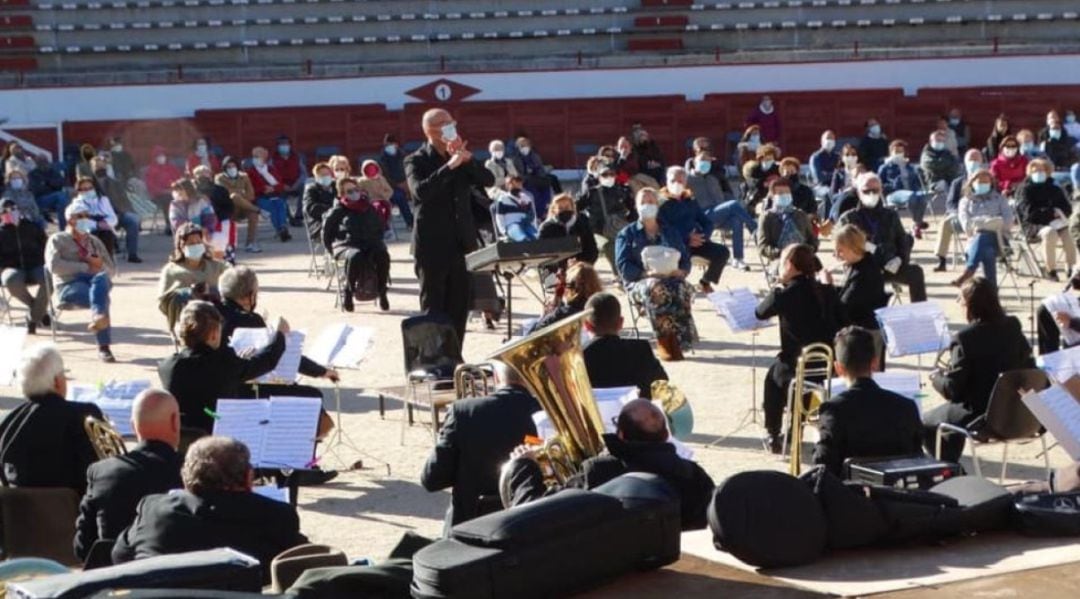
[{"x": 441, "y": 176}]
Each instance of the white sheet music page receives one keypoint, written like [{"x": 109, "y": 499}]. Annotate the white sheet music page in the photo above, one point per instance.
[
  {"x": 356, "y": 347},
  {"x": 912, "y": 329},
  {"x": 290, "y": 441},
  {"x": 1068, "y": 303},
  {"x": 272, "y": 492},
  {"x": 246, "y": 420},
  {"x": 901, "y": 383},
  {"x": 1059, "y": 412},
  {"x": 737, "y": 307},
  {"x": 1061, "y": 365},
  {"x": 329, "y": 342},
  {"x": 11, "y": 345},
  {"x": 288, "y": 367}
]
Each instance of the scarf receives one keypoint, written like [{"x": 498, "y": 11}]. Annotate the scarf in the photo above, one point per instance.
[
  {"x": 264, "y": 172},
  {"x": 359, "y": 206}
]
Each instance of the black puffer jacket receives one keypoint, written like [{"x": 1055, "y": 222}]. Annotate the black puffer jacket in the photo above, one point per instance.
[
  {"x": 344, "y": 228},
  {"x": 22, "y": 245},
  {"x": 1036, "y": 202},
  {"x": 317, "y": 200}
]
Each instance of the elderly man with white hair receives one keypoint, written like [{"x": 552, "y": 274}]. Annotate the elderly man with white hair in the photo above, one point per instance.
[
  {"x": 82, "y": 268},
  {"x": 43, "y": 442},
  {"x": 683, "y": 215},
  {"x": 885, "y": 237}
]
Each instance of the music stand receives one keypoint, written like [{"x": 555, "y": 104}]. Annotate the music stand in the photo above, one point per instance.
[
  {"x": 750, "y": 417},
  {"x": 339, "y": 440}
]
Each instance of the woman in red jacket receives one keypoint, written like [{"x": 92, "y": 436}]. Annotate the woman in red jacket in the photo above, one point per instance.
[
  {"x": 1010, "y": 166},
  {"x": 200, "y": 155},
  {"x": 159, "y": 177}
]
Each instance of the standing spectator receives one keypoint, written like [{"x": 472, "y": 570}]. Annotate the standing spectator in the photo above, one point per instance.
[
  {"x": 649, "y": 158},
  {"x": 997, "y": 135},
  {"x": 242, "y": 193},
  {"x": 353, "y": 232},
  {"x": 1010, "y": 166},
  {"x": 1059, "y": 146},
  {"x": 874, "y": 145},
  {"x": 200, "y": 154},
  {"x": 725, "y": 214},
  {"x": 903, "y": 185},
  {"x": 291, "y": 168},
  {"x": 82, "y": 267},
  {"x": 984, "y": 214},
  {"x": 47, "y": 185},
  {"x": 188, "y": 206},
  {"x": 319, "y": 197},
  {"x": 823, "y": 164},
  {"x": 268, "y": 185},
  {"x": 532, "y": 170},
  {"x": 1044, "y": 212},
  {"x": 122, "y": 162},
  {"x": 960, "y": 128},
  {"x": 159, "y": 177},
  {"x": 17, "y": 159},
  {"x": 117, "y": 196},
  {"x": 393, "y": 168},
  {"x": 19, "y": 193},
  {"x": 22, "y": 261},
  {"x": 683, "y": 215},
  {"x": 748, "y": 146},
  {"x": 223, "y": 211},
  {"x": 765, "y": 116},
  {"x": 500, "y": 166}
]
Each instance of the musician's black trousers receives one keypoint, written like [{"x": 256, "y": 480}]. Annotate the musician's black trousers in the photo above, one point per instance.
[
  {"x": 912, "y": 277},
  {"x": 446, "y": 288},
  {"x": 952, "y": 444},
  {"x": 717, "y": 255},
  {"x": 775, "y": 388},
  {"x": 375, "y": 258},
  {"x": 1049, "y": 335}
]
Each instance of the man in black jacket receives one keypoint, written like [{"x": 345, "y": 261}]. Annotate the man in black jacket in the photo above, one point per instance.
[
  {"x": 865, "y": 420},
  {"x": 473, "y": 444},
  {"x": 43, "y": 442},
  {"x": 115, "y": 486},
  {"x": 442, "y": 175},
  {"x": 217, "y": 508},
  {"x": 22, "y": 262},
  {"x": 611, "y": 360},
  {"x": 639, "y": 445}
]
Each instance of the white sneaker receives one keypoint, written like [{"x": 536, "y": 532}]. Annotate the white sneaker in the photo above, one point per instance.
[
  {"x": 740, "y": 265},
  {"x": 253, "y": 248}
]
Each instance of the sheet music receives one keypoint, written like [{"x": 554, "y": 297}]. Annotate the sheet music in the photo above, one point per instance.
[
  {"x": 912, "y": 329},
  {"x": 288, "y": 366},
  {"x": 329, "y": 342},
  {"x": 1061, "y": 365},
  {"x": 1068, "y": 303},
  {"x": 246, "y": 420},
  {"x": 291, "y": 438},
  {"x": 272, "y": 492},
  {"x": 356, "y": 347},
  {"x": 11, "y": 346},
  {"x": 1059, "y": 412},
  {"x": 899, "y": 382},
  {"x": 738, "y": 307},
  {"x": 114, "y": 398}
]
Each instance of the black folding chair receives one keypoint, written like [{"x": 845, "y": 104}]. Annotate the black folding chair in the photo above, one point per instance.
[{"x": 432, "y": 352}]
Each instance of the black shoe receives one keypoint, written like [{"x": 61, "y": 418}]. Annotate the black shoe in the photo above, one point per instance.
[
  {"x": 46, "y": 321},
  {"x": 347, "y": 301},
  {"x": 284, "y": 234},
  {"x": 31, "y": 327},
  {"x": 1053, "y": 276},
  {"x": 106, "y": 355},
  {"x": 774, "y": 444},
  {"x": 940, "y": 265},
  {"x": 296, "y": 222},
  {"x": 314, "y": 477},
  {"x": 134, "y": 259},
  {"x": 384, "y": 302}
]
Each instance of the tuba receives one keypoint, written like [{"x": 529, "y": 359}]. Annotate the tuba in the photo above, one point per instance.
[
  {"x": 103, "y": 437},
  {"x": 551, "y": 364},
  {"x": 815, "y": 361}
]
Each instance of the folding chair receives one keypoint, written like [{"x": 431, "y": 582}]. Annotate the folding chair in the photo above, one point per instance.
[
  {"x": 432, "y": 353},
  {"x": 5, "y": 305},
  {"x": 1008, "y": 270},
  {"x": 318, "y": 266},
  {"x": 1029, "y": 257},
  {"x": 1005, "y": 421}
]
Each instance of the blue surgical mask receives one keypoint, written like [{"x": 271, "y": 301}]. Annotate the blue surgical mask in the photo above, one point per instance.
[
  {"x": 194, "y": 252},
  {"x": 449, "y": 132},
  {"x": 980, "y": 188},
  {"x": 875, "y": 129},
  {"x": 85, "y": 225},
  {"x": 1055, "y": 133},
  {"x": 954, "y": 121},
  {"x": 1038, "y": 177},
  {"x": 325, "y": 180},
  {"x": 971, "y": 166},
  {"x": 703, "y": 166},
  {"x": 391, "y": 149},
  {"x": 937, "y": 145},
  {"x": 284, "y": 149},
  {"x": 1027, "y": 147},
  {"x": 783, "y": 201}
]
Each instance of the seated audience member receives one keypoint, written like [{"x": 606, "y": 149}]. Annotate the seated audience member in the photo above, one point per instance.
[
  {"x": 874, "y": 146},
  {"x": 117, "y": 195},
  {"x": 629, "y": 169},
  {"x": 340, "y": 165},
  {"x": 188, "y": 206},
  {"x": 823, "y": 163},
  {"x": 1010, "y": 166},
  {"x": 683, "y": 215},
  {"x": 116, "y": 485},
  {"x": 288, "y": 164},
  {"x": 122, "y": 162},
  {"x": 864, "y": 421},
  {"x": 353, "y": 232},
  {"x": 159, "y": 176},
  {"x": 591, "y": 178},
  {"x": 200, "y": 156},
  {"x": 609, "y": 208},
  {"x": 757, "y": 173},
  {"x": 500, "y": 166},
  {"x": 863, "y": 290},
  {"x": 892, "y": 247},
  {"x": 950, "y": 225},
  {"x": 47, "y": 185},
  {"x": 207, "y": 368},
  {"x": 581, "y": 283},
  {"x": 748, "y": 145},
  {"x": 22, "y": 262},
  {"x": 993, "y": 142},
  {"x": 809, "y": 312},
  {"x": 99, "y": 210},
  {"x": 43, "y": 442},
  {"x": 224, "y": 209},
  {"x": 649, "y": 157},
  {"x": 478, "y": 435},
  {"x": 1028, "y": 147},
  {"x": 1059, "y": 146},
  {"x": 392, "y": 162},
  {"x": 515, "y": 214},
  {"x": 82, "y": 271},
  {"x": 782, "y": 224},
  {"x": 1044, "y": 211},
  {"x": 902, "y": 184},
  {"x": 725, "y": 214},
  {"x": 639, "y": 444},
  {"x": 217, "y": 508},
  {"x": 1050, "y": 326},
  {"x": 191, "y": 273},
  {"x": 611, "y": 360},
  {"x": 938, "y": 161},
  {"x": 534, "y": 173},
  {"x": 991, "y": 344},
  {"x": 702, "y": 151},
  {"x": 984, "y": 213},
  {"x": 382, "y": 193},
  {"x": 564, "y": 221},
  {"x": 269, "y": 188},
  {"x": 242, "y": 194},
  {"x": 320, "y": 195},
  {"x": 802, "y": 196},
  {"x": 842, "y": 195},
  {"x": 17, "y": 192},
  {"x": 16, "y": 159},
  {"x": 665, "y": 296}
]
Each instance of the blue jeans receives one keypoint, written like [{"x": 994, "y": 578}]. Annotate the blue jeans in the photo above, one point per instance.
[
  {"x": 521, "y": 231},
  {"x": 982, "y": 249},
  {"x": 56, "y": 202},
  {"x": 398, "y": 199},
  {"x": 914, "y": 200},
  {"x": 90, "y": 291},
  {"x": 278, "y": 209},
  {"x": 731, "y": 215},
  {"x": 131, "y": 224}
]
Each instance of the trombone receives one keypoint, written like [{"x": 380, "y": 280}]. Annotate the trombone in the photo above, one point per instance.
[{"x": 815, "y": 362}]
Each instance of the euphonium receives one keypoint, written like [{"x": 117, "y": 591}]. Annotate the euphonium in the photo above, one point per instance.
[
  {"x": 103, "y": 437},
  {"x": 551, "y": 364},
  {"x": 816, "y": 361}
]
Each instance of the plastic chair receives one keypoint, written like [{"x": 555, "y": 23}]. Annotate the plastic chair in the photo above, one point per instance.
[
  {"x": 1006, "y": 419},
  {"x": 432, "y": 352}
]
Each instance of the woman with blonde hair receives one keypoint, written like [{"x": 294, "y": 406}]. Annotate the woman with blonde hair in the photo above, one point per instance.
[
  {"x": 581, "y": 283},
  {"x": 564, "y": 221},
  {"x": 340, "y": 166},
  {"x": 863, "y": 290}
]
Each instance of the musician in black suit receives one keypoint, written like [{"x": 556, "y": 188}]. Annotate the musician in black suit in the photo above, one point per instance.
[
  {"x": 216, "y": 509},
  {"x": 863, "y": 290},
  {"x": 474, "y": 442},
  {"x": 809, "y": 312},
  {"x": 442, "y": 175},
  {"x": 207, "y": 368},
  {"x": 613, "y": 361},
  {"x": 991, "y": 344},
  {"x": 116, "y": 485},
  {"x": 865, "y": 420},
  {"x": 43, "y": 442}
]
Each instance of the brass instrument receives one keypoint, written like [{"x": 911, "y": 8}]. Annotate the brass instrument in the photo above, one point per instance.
[
  {"x": 103, "y": 437},
  {"x": 815, "y": 361},
  {"x": 473, "y": 380},
  {"x": 551, "y": 364}
]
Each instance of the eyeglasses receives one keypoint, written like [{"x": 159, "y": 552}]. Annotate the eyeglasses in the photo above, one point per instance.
[{"x": 870, "y": 190}]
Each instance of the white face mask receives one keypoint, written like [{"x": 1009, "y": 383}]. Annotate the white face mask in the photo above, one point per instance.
[
  {"x": 258, "y": 162},
  {"x": 937, "y": 145},
  {"x": 1009, "y": 152},
  {"x": 391, "y": 149},
  {"x": 828, "y": 145},
  {"x": 870, "y": 199},
  {"x": 88, "y": 196},
  {"x": 325, "y": 180},
  {"x": 200, "y": 150},
  {"x": 118, "y": 148},
  {"x": 449, "y": 132},
  {"x": 875, "y": 129},
  {"x": 899, "y": 159},
  {"x": 498, "y": 154},
  {"x": 850, "y": 161},
  {"x": 1038, "y": 177},
  {"x": 85, "y": 225},
  {"x": 284, "y": 149},
  {"x": 160, "y": 159},
  {"x": 525, "y": 150},
  {"x": 231, "y": 172},
  {"x": 648, "y": 211},
  {"x": 607, "y": 181},
  {"x": 194, "y": 252},
  {"x": 1055, "y": 133},
  {"x": 676, "y": 188},
  {"x": 767, "y": 164},
  {"x": 341, "y": 174}
]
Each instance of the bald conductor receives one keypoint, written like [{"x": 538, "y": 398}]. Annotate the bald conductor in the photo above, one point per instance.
[
  {"x": 116, "y": 485},
  {"x": 442, "y": 175}
]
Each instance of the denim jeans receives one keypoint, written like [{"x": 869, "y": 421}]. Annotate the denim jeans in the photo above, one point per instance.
[
  {"x": 17, "y": 281},
  {"x": 402, "y": 202},
  {"x": 914, "y": 200},
  {"x": 982, "y": 249},
  {"x": 90, "y": 291},
  {"x": 521, "y": 231},
  {"x": 56, "y": 202},
  {"x": 131, "y": 224},
  {"x": 731, "y": 215},
  {"x": 278, "y": 209}
]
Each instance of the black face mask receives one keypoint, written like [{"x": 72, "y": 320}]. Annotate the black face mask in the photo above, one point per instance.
[
  {"x": 565, "y": 216},
  {"x": 516, "y": 193},
  {"x": 101, "y": 173}
]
